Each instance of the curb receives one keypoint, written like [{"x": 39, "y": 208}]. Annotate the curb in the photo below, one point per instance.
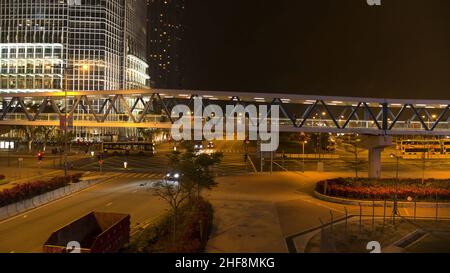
[{"x": 366, "y": 203}]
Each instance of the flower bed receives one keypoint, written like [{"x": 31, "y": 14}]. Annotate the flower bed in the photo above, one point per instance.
[
  {"x": 386, "y": 189},
  {"x": 29, "y": 190}
]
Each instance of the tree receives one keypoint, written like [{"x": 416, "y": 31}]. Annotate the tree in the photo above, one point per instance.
[
  {"x": 196, "y": 168},
  {"x": 195, "y": 174},
  {"x": 29, "y": 133},
  {"x": 351, "y": 145},
  {"x": 145, "y": 134},
  {"x": 45, "y": 132},
  {"x": 174, "y": 195},
  {"x": 203, "y": 176}
]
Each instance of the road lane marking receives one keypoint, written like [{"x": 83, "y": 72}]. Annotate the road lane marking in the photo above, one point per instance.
[{"x": 109, "y": 204}]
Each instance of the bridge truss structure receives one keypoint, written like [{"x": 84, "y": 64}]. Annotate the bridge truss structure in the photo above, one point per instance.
[{"x": 152, "y": 108}]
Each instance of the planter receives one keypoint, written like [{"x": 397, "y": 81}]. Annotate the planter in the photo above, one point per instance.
[
  {"x": 366, "y": 203},
  {"x": 379, "y": 190}
]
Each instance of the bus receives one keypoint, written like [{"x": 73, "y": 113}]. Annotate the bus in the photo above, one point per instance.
[
  {"x": 446, "y": 147},
  {"x": 129, "y": 148},
  {"x": 430, "y": 148}
]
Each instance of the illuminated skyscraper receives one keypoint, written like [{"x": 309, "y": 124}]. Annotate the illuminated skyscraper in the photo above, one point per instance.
[
  {"x": 97, "y": 44},
  {"x": 165, "y": 38}
]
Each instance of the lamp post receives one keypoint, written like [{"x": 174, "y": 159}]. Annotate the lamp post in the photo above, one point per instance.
[
  {"x": 397, "y": 158},
  {"x": 65, "y": 120},
  {"x": 304, "y": 142}
]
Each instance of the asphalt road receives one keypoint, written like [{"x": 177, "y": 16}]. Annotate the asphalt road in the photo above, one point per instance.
[{"x": 27, "y": 232}]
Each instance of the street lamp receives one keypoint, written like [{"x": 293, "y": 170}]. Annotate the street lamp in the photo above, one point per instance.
[
  {"x": 397, "y": 158},
  {"x": 304, "y": 142}
]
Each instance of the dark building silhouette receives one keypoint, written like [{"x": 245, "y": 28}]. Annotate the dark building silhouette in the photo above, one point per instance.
[{"x": 165, "y": 42}]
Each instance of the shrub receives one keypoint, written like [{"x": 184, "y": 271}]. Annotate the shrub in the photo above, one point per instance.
[
  {"x": 386, "y": 189},
  {"x": 29, "y": 190},
  {"x": 194, "y": 226}
]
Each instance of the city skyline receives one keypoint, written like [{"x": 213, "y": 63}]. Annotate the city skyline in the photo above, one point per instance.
[
  {"x": 98, "y": 45},
  {"x": 234, "y": 135}
]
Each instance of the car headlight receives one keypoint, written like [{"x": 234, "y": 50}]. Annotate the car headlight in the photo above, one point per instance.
[{"x": 177, "y": 175}]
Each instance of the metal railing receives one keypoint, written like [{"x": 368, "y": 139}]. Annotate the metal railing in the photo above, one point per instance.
[{"x": 389, "y": 215}]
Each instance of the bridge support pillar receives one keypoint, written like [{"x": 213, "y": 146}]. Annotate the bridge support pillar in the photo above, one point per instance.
[
  {"x": 375, "y": 145},
  {"x": 375, "y": 162}
]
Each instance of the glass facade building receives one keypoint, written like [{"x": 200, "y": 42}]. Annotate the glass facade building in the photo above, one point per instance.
[{"x": 88, "y": 44}]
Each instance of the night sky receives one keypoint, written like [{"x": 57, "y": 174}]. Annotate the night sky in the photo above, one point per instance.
[{"x": 323, "y": 47}]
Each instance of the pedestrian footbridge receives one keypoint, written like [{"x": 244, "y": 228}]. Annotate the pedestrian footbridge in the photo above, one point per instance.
[{"x": 152, "y": 108}]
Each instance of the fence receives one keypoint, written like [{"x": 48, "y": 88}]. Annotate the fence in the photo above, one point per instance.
[{"x": 370, "y": 217}]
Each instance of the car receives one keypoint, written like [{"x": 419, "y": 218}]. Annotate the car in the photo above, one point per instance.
[
  {"x": 198, "y": 148},
  {"x": 172, "y": 178},
  {"x": 211, "y": 145}
]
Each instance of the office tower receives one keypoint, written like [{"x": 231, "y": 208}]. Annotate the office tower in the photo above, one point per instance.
[
  {"x": 165, "y": 42},
  {"x": 87, "y": 44}
]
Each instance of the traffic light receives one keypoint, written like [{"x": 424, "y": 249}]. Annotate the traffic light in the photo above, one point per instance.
[
  {"x": 100, "y": 159},
  {"x": 40, "y": 156}
]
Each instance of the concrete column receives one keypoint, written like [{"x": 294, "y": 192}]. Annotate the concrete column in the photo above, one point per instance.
[
  {"x": 375, "y": 162},
  {"x": 375, "y": 145}
]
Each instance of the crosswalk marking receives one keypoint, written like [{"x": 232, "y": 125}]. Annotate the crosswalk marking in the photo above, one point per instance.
[{"x": 137, "y": 175}]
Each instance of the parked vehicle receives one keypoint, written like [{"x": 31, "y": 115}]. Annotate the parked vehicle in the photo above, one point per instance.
[
  {"x": 129, "y": 148},
  {"x": 428, "y": 148},
  {"x": 94, "y": 233}
]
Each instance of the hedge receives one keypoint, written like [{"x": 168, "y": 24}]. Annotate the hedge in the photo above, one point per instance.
[
  {"x": 29, "y": 190},
  {"x": 386, "y": 189}
]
